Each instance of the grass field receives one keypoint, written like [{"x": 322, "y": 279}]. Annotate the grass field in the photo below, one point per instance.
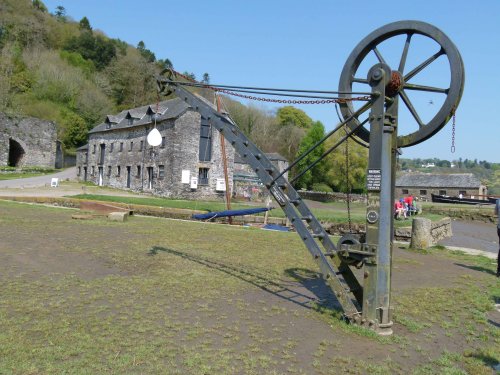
[
  {"x": 334, "y": 212},
  {"x": 152, "y": 296}
]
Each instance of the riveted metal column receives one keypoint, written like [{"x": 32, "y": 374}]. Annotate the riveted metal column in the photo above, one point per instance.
[{"x": 377, "y": 271}]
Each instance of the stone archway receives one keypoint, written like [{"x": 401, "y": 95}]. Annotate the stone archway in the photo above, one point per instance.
[{"x": 16, "y": 153}]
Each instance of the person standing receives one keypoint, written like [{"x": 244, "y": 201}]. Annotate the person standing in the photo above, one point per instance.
[{"x": 497, "y": 212}]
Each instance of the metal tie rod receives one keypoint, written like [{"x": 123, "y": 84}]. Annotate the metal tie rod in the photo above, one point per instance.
[
  {"x": 312, "y": 165},
  {"x": 328, "y": 135},
  {"x": 208, "y": 85}
]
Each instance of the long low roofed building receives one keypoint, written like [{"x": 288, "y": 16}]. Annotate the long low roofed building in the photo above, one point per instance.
[{"x": 422, "y": 185}]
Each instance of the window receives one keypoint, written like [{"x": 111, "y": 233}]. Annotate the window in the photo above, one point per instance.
[
  {"x": 118, "y": 171},
  {"x": 423, "y": 192},
  {"x": 79, "y": 171},
  {"x": 109, "y": 171},
  {"x": 442, "y": 192},
  {"x": 93, "y": 149},
  {"x": 138, "y": 171},
  {"x": 161, "y": 171},
  {"x": 131, "y": 146},
  {"x": 203, "y": 176},
  {"x": 463, "y": 192},
  {"x": 163, "y": 142},
  {"x": 111, "y": 147},
  {"x": 205, "y": 151},
  {"x": 141, "y": 145},
  {"x": 405, "y": 191},
  {"x": 121, "y": 146}
]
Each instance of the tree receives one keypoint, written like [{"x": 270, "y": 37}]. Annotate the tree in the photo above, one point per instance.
[
  {"x": 85, "y": 24},
  {"x": 60, "y": 13},
  {"x": 189, "y": 75},
  {"x": 206, "y": 79},
  {"x": 38, "y": 4},
  {"x": 337, "y": 169},
  {"x": 316, "y": 174},
  {"x": 148, "y": 55},
  {"x": 165, "y": 64},
  {"x": 289, "y": 115},
  {"x": 99, "y": 50}
]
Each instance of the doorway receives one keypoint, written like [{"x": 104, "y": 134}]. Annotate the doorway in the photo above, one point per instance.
[
  {"x": 101, "y": 176},
  {"x": 150, "y": 177},
  {"x": 128, "y": 176},
  {"x": 84, "y": 173},
  {"x": 16, "y": 153}
]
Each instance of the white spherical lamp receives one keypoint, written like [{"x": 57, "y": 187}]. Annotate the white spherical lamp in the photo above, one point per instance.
[{"x": 154, "y": 137}]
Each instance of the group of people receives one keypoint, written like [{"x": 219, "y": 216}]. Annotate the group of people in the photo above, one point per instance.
[{"x": 405, "y": 207}]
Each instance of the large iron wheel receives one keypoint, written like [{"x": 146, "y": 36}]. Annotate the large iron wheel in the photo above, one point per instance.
[{"x": 402, "y": 81}]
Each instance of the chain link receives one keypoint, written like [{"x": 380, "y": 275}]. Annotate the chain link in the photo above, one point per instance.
[
  {"x": 280, "y": 101},
  {"x": 348, "y": 193},
  {"x": 453, "y": 132}
]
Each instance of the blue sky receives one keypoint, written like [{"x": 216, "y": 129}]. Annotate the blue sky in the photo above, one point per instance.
[{"x": 299, "y": 44}]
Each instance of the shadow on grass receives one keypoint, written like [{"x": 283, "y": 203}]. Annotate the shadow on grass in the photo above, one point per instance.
[
  {"x": 315, "y": 294},
  {"x": 477, "y": 268}
]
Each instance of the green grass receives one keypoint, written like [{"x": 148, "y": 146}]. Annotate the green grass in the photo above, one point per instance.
[
  {"x": 335, "y": 212},
  {"x": 162, "y": 296}
]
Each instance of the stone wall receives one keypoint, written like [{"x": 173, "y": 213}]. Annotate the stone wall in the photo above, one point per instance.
[
  {"x": 330, "y": 197},
  {"x": 439, "y": 230},
  {"x": 126, "y": 161},
  {"x": 35, "y": 140}
]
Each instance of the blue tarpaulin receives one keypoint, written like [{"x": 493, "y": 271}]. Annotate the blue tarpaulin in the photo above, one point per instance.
[
  {"x": 280, "y": 228},
  {"x": 215, "y": 214}
]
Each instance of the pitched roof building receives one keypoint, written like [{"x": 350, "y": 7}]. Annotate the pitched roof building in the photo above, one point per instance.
[
  {"x": 422, "y": 185},
  {"x": 187, "y": 164}
]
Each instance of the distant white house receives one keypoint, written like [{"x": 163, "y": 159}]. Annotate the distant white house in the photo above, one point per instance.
[{"x": 428, "y": 165}]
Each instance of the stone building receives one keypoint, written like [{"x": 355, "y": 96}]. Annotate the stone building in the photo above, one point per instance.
[
  {"x": 246, "y": 182},
  {"x": 187, "y": 164},
  {"x": 28, "y": 142},
  {"x": 422, "y": 185}
]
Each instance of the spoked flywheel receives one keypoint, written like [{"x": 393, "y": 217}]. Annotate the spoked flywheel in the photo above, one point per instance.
[{"x": 404, "y": 80}]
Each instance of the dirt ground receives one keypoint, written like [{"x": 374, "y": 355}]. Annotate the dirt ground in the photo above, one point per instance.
[{"x": 163, "y": 296}]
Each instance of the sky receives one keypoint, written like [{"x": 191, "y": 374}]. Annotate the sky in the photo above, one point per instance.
[{"x": 305, "y": 44}]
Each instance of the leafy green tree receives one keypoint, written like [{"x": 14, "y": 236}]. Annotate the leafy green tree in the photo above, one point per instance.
[
  {"x": 165, "y": 64},
  {"x": 206, "y": 78},
  {"x": 38, "y": 4},
  {"x": 75, "y": 129},
  {"x": 60, "y": 13},
  {"x": 99, "y": 50},
  {"x": 146, "y": 53},
  {"x": 85, "y": 24},
  {"x": 289, "y": 115},
  {"x": 338, "y": 169},
  {"x": 316, "y": 174}
]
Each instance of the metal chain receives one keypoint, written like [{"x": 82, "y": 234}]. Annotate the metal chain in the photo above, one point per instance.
[
  {"x": 453, "y": 132},
  {"x": 280, "y": 101},
  {"x": 348, "y": 193}
]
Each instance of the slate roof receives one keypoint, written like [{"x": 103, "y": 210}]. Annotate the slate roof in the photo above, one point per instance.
[
  {"x": 428, "y": 180},
  {"x": 167, "y": 109},
  {"x": 83, "y": 148},
  {"x": 272, "y": 156}
]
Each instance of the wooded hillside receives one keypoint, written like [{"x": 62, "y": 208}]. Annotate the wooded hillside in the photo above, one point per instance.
[{"x": 56, "y": 68}]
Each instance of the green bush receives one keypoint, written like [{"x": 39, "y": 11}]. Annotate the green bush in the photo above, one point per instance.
[{"x": 322, "y": 188}]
